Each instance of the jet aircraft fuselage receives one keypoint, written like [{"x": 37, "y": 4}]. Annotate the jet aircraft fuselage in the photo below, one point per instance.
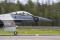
[{"x": 19, "y": 17}]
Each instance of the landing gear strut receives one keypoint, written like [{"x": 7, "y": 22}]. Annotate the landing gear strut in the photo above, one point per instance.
[{"x": 15, "y": 33}]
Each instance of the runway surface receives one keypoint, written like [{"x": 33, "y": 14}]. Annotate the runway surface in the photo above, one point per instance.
[
  {"x": 41, "y": 27},
  {"x": 29, "y": 37}
]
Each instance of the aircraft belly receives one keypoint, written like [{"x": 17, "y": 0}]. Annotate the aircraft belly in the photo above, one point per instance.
[{"x": 23, "y": 22}]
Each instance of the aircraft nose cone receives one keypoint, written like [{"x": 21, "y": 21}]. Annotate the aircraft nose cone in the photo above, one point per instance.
[{"x": 44, "y": 19}]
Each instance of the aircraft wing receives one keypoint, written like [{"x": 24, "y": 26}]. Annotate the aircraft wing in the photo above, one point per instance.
[
  {"x": 8, "y": 23},
  {"x": 6, "y": 17}
]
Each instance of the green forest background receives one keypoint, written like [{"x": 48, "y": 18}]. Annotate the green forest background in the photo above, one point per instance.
[{"x": 44, "y": 10}]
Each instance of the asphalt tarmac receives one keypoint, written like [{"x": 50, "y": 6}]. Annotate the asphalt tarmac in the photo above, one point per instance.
[{"x": 29, "y": 37}]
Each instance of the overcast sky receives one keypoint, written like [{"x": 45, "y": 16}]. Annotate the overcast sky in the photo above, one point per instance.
[
  {"x": 25, "y": 1},
  {"x": 44, "y": 1}
]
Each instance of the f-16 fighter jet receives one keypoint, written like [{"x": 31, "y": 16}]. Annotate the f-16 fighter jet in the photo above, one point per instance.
[{"x": 14, "y": 18}]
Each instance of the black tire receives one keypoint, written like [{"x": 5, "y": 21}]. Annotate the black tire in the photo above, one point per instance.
[{"x": 15, "y": 33}]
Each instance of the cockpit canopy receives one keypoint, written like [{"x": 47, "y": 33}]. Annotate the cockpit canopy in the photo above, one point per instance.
[{"x": 22, "y": 13}]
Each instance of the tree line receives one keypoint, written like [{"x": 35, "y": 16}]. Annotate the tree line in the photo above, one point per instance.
[{"x": 42, "y": 10}]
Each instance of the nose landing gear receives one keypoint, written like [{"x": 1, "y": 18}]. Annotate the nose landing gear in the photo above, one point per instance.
[{"x": 15, "y": 33}]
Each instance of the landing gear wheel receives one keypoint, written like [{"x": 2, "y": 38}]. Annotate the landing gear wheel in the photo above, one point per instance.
[{"x": 15, "y": 33}]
